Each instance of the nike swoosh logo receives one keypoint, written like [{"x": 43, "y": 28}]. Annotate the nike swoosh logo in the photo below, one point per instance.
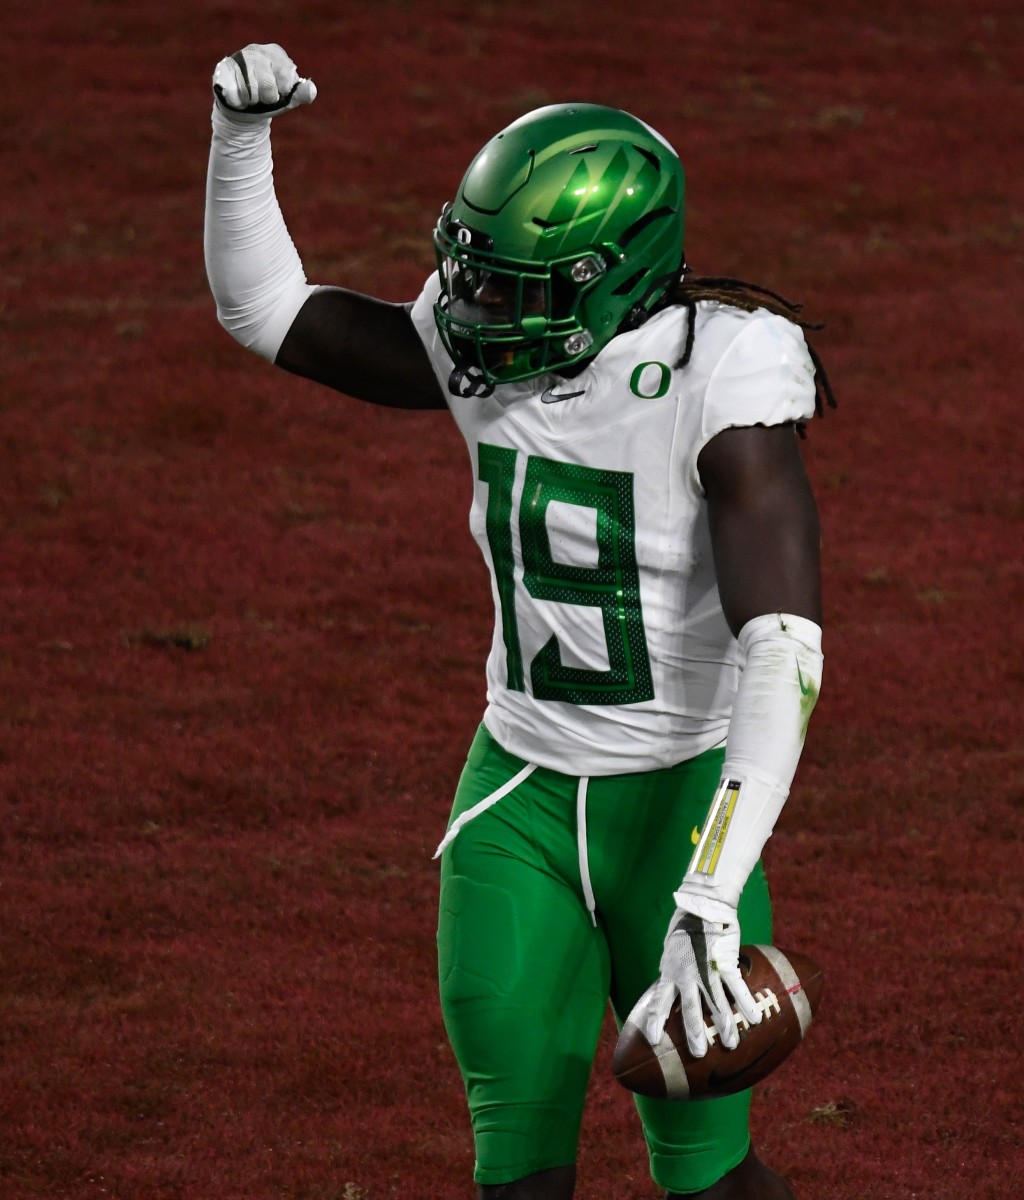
[
  {"x": 695, "y": 836},
  {"x": 805, "y": 688},
  {"x": 724, "y": 1078},
  {"x": 549, "y": 397}
]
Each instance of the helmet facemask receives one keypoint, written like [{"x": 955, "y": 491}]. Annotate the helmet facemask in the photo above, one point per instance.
[{"x": 534, "y": 322}]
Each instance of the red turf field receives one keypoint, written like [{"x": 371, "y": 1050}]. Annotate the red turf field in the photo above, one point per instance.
[{"x": 244, "y": 624}]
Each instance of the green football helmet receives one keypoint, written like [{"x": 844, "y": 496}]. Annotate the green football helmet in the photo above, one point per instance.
[{"x": 566, "y": 230}]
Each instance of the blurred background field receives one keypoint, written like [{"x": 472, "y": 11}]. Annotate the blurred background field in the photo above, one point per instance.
[{"x": 243, "y": 623}]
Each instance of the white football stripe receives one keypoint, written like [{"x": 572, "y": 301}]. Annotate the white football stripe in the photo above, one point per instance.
[
  {"x": 791, "y": 982},
  {"x": 677, "y": 1086}
]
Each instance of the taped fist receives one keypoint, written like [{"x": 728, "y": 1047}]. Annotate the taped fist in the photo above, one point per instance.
[
  {"x": 700, "y": 965},
  {"x": 259, "y": 82}
]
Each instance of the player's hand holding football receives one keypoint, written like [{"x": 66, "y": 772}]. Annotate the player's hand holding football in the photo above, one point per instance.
[
  {"x": 700, "y": 962},
  {"x": 260, "y": 82}
]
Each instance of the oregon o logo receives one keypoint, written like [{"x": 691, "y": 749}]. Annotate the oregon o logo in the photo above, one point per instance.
[{"x": 655, "y": 378}]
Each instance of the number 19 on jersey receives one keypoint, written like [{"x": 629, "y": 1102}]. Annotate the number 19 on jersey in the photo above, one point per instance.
[{"x": 612, "y": 585}]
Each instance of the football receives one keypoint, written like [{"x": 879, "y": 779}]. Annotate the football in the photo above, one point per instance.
[{"x": 787, "y": 987}]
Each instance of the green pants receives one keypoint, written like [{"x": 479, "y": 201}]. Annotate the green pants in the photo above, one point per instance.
[{"x": 539, "y": 928}]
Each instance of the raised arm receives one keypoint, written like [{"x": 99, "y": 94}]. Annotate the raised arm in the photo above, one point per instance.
[{"x": 356, "y": 344}]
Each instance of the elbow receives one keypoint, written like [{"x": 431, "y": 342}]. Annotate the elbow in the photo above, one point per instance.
[
  {"x": 262, "y": 328},
  {"x": 246, "y": 333}
]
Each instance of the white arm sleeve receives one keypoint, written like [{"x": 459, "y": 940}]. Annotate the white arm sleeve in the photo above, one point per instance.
[
  {"x": 255, "y": 273},
  {"x": 778, "y": 689}
]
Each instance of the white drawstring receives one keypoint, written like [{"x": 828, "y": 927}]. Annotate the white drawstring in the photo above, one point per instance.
[
  {"x": 482, "y": 806},
  {"x": 581, "y": 843},
  {"x": 581, "y": 828}
]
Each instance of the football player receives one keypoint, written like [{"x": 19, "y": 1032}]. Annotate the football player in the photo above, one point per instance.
[{"x": 652, "y": 540}]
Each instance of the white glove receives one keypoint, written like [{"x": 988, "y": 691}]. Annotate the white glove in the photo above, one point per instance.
[
  {"x": 259, "y": 82},
  {"x": 700, "y": 960}
]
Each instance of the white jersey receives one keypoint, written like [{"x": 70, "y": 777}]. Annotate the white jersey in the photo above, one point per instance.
[{"x": 611, "y": 653}]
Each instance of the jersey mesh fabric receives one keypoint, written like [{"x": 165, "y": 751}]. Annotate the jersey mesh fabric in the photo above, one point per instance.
[{"x": 525, "y": 976}]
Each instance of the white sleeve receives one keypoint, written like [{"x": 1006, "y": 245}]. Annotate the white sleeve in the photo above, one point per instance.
[
  {"x": 764, "y": 377},
  {"x": 778, "y": 689},
  {"x": 254, "y": 270}
]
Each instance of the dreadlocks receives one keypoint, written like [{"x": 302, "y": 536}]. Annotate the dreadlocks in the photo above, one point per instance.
[{"x": 690, "y": 289}]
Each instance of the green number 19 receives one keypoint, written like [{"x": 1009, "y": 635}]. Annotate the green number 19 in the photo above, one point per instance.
[{"x": 613, "y": 586}]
